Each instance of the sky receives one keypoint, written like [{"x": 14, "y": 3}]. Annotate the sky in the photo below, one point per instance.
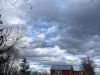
[{"x": 56, "y": 31}]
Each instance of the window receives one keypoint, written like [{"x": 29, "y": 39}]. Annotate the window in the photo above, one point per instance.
[{"x": 58, "y": 72}]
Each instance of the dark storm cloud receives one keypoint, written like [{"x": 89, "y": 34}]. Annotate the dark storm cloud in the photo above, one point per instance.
[
  {"x": 83, "y": 19},
  {"x": 77, "y": 24}
]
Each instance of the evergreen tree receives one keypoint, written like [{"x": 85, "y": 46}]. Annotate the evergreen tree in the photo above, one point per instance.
[{"x": 24, "y": 70}]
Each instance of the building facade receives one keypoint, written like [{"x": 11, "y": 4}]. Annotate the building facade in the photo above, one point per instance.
[{"x": 65, "y": 70}]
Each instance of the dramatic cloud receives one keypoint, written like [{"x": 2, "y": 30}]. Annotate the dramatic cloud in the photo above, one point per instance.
[{"x": 57, "y": 31}]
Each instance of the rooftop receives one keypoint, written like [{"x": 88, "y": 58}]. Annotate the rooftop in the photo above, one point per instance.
[{"x": 61, "y": 67}]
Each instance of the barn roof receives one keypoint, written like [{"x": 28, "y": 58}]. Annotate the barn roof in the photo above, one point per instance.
[{"x": 61, "y": 67}]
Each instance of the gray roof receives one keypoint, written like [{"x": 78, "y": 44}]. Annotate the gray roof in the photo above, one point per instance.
[{"x": 61, "y": 67}]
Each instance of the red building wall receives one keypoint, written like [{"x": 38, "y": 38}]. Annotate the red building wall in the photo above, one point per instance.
[
  {"x": 68, "y": 72},
  {"x": 63, "y": 72},
  {"x": 77, "y": 73}
]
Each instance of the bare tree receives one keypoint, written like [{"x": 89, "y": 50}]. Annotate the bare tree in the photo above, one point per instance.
[
  {"x": 14, "y": 70},
  {"x": 10, "y": 37},
  {"x": 87, "y": 65},
  {"x": 14, "y": 3}
]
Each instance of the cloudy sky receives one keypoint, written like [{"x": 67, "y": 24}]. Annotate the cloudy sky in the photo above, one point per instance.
[{"x": 57, "y": 31}]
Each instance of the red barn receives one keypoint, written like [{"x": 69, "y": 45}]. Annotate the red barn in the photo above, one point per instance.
[
  {"x": 61, "y": 69},
  {"x": 64, "y": 70}
]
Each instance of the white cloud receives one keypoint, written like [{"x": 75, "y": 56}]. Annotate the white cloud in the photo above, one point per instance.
[
  {"x": 73, "y": 27},
  {"x": 56, "y": 51},
  {"x": 16, "y": 21}
]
